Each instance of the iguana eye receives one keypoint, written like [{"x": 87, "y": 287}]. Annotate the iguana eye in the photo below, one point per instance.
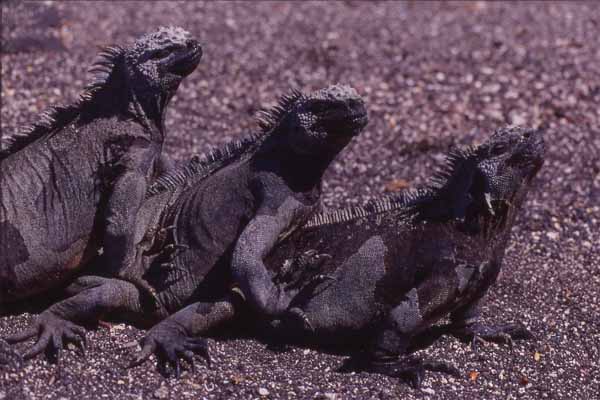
[
  {"x": 498, "y": 149},
  {"x": 319, "y": 107},
  {"x": 162, "y": 53}
]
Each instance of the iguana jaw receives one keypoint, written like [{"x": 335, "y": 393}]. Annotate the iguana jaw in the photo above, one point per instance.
[
  {"x": 506, "y": 176},
  {"x": 184, "y": 62},
  {"x": 347, "y": 123}
]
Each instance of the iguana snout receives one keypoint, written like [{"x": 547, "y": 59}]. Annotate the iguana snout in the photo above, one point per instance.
[{"x": 183, "y": 60}]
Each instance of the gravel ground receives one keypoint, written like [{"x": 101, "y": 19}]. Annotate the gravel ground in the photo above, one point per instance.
[{"x": 434, "y": 75}]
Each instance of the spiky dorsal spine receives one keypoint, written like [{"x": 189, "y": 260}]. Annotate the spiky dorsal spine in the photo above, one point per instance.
[
  {"x": 56, "y": 118},
  {"x": 385, "y": 204},
  {"x": 408, "y": 201},
  {"x": 269, "y": 118},
  {"x": 199, "y": 167},
  {"x": 451, "y": 168}
]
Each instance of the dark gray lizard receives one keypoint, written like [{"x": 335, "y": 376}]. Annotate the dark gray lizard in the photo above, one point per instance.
[
  {"x": 75, "y": 180},
  {"x": 402, "y": 263},
  {"x": 196, "y": 232},
  {"x": 398, "y": 265}
]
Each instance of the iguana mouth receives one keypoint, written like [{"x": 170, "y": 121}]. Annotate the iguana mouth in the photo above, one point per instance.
[
  {"x": 344, "y": 124},
  {"x": 351, "y": 114},
  {"x": 360, "y": 121},
  {"x": 183, "y": 64}
]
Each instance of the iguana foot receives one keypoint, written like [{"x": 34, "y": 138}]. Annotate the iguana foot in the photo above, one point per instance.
[
  {"x": 170, "y": 344},
  {"x": 478, "y": 333},
  {"x": 53, "y": 332},
  {"x": 409, "y": 369}
]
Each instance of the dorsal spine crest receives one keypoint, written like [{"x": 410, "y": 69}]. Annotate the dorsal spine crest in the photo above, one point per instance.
[
  {"x": 200, "y": 167},
  {"x": 408, "y": 200},
  {"x": 57, "y": 117}
]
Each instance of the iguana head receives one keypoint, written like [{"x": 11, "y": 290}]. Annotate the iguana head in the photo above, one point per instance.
[
  {"x": 506, "y": 163},
  {"x": 489, "y": 182},
  {"x": 157, "y": 62},
  {"x": 141, "y": 78},
  {"x": 321, "y": 122}
]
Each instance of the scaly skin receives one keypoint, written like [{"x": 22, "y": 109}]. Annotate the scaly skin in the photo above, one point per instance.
[
  {"x": 76, "y": 179},
  {"x": 401, "y": 264},
  {"x": 198, "y": 232},
  {"x": 385, "y": 273}
]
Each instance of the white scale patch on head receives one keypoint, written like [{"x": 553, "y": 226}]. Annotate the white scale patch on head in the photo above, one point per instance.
[
  {"x": 337, "y": 92},
  {"x": 164, "y": 36}
]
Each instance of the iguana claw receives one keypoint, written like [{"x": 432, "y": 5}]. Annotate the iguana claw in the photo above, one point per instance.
[
  {"x": 478, "y": 333},
  {"x": 171, "y": 346},
  {"x": 410, "y": 369},
  {"x": 53, "y": 332},
  {"x": 295, "y": 316}
]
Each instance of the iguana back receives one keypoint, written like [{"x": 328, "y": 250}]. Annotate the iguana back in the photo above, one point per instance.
[{"x": 59, "y": 178}]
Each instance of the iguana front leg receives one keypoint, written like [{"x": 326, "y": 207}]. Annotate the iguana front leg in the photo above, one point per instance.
[
  {"x": 253, "y": 245},
  {"x": 464, "y": 324},
  {"x": 179, "y": 336},
  {"x": 92, "y": 298},
  {"x": 128, "y": 192},
  {"x": 389, "y": 354}
]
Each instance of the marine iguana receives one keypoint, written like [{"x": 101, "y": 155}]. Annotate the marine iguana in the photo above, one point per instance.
[
  {"x": 197, "y": 232},
  {"x": 75, "y": 180},
  {"x": 396, "y": 266}
]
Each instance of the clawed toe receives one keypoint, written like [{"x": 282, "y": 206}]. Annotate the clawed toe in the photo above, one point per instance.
[
  {"x": 53, "y": 333},
  {"x": 443, "y": 367},
  {"x": 147, "y": 350},
  {"x": 199, "y": 346},
  {"x": 517, "y": 331},
  {"x": 475, "y": 342},
  {"x": 409, "y": 369},
  {"x": 188, "y": 356},
  {"x": 505, "y": 334},
  {"x": 170, "y": 352},
  {"x": 296, "y": 316}
]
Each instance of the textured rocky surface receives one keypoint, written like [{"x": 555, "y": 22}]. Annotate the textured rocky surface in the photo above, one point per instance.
[{"x": 433, "y": 75}]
